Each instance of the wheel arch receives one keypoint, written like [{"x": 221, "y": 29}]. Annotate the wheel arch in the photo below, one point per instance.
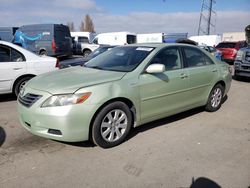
[
  {"x": 86, "y": 49},
  {"x": 127, "y": 101},
  {"x": 42, "y": 49},
  {"x": 222, "y": 83},
  {"x": 19, "y": 78}
]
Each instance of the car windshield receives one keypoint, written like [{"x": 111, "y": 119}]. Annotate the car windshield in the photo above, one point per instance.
[
  {"x": 226, "y": 45},
  {"x": 125, "y": 58},
  {"x": 98, "y": 51}
]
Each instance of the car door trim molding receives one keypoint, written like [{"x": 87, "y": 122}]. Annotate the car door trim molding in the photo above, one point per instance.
[
  {"x": 172, "y": 93},
  {"x": 5, "y": 80}
]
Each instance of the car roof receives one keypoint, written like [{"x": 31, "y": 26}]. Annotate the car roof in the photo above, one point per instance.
[{"x": 159, "y": 45}]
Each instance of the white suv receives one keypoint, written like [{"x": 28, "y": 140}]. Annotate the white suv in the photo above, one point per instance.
[{"x": 18, "y": 65}]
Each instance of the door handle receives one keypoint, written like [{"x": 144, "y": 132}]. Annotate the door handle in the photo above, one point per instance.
[
  {"x": 214, "y": 70},
  {"x": 183, "y": 75},
  {"x": 17, "y": 68}
]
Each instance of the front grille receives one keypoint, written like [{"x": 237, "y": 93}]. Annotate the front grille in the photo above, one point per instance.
[
  {"x": 29, "y": 99},
  {"x": 245, "y": 67},
  {"x": 247, "y": 58}
]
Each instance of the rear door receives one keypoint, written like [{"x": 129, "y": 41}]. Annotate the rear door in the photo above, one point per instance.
[
  {"x": 202, "y": 73},
  {"x": 62, "y": 40},
  {"x": 12, "y": 65}
]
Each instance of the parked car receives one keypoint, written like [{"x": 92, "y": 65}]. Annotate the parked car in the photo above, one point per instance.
[
  {"x": 82, "y": 60},
  {"x": 242, "y": 61},
  {"x": 45, "y": 39},
  {"x": 122, "y": 88},
  {"x": 216, "y": 53},
  {"x": 81, "y": 43},
  {"x": 84, "y": 37},
  {"x": 18, "y": 65},
  {"x": 229, "y": 50}
]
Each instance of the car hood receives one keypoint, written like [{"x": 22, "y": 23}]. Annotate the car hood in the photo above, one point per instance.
[{"x": 71, "y": 79}]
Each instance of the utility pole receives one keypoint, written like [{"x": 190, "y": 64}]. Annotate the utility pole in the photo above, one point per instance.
[{"x": 206, "y": 15}]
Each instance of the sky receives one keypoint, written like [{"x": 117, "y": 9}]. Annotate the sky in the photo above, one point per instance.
[{"x": 139, "y": 16}]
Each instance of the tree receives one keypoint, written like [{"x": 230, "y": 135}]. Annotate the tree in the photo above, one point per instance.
[
  {"x": 81, "y": 26},
  {"x": 71, "y": 26},
  {"x": 88, "y": 24}
]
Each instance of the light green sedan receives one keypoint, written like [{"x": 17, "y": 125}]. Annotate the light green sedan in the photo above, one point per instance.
[{"x": 122, "y": 88}]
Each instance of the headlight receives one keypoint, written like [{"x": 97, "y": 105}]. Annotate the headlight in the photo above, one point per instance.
[
  {"x": 239, "y": 55},
  {"x": 66, "y": 99}
]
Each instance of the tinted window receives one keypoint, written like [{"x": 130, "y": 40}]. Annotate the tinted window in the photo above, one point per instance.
[
  {"x": 16, "y": 56},
  {"x": 122, "y": 58},
  {"x": 196, "y": 58},
  {"x": 207, "y": 60},
  {"x": 61, "y": 33},
  {"x": 211, "y": 49},
  {"x": 4, "y": 54},
  {"x": 131, "y": 39},
  {"x": 243, "y": 44},
  {"x": 95, "y": 41},
  {"x": 169, "y": 57},
  {"x": 226, "y": 45},
  {"x": 83, "y": 39}
]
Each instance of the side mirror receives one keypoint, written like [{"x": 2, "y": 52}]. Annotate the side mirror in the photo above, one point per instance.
[{"x": 156, "y": 68}]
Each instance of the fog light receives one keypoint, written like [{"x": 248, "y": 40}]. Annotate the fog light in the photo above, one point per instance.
[{"x": 54, "y": 131}]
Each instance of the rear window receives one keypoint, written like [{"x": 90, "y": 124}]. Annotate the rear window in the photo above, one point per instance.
[
  {"x": 131, "y": 39},
  {"x": 226, "y": 45}
]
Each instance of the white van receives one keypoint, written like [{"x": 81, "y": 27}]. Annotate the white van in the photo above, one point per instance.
[
  {"x": 207, "y": 40},
  {"x": 150, "y": 38},
  {"x": 115, "y": 38}
]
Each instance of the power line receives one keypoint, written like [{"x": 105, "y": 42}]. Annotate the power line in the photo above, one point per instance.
[{"x": 206, "y": 17}]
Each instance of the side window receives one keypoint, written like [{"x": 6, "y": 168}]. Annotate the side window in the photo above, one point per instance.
[
  {"x": 243, "y": 44},
  {"x": 169, "y": 57},
  {"x": 16, "y": 56},
  {"x": 194, "y": 57},
  {"x": 4, "y": 54},
  {"x": 83, "y": 39},
  {"x": 212, "y": 50},
  {"x": 95, "y": 41},
  {"x": 207, "y": 60}
]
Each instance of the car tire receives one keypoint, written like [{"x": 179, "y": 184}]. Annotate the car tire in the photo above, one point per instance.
[
  {"x": 215, "y": 98},
  {"x": 86, "y": 53},
  {"x": 20, "y": 83},
  {"x": 43, "y": 53},
  {"x": 111, "y": 125},
  {"x": 236, "y": 76}
]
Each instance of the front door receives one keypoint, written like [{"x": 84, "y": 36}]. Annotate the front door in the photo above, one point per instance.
[
  {"x": 164, "y": 93},
  {"x": 12, "y": 65}
]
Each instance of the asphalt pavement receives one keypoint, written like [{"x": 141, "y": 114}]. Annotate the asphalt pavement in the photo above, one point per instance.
[{"x": 191, "y": 149}]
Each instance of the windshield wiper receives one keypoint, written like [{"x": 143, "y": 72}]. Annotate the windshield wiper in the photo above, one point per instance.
[{"x": 95, "y": 67}]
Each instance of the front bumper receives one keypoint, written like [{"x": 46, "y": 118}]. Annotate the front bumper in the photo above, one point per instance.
[
  {"x": 242, "y": 69},
  {"x": 66, "y": 123}
]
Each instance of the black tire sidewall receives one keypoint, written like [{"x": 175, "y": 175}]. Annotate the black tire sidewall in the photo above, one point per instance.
[
  {"x": 43, "y": 53},
  {"x": 86, "y": 53},
  {"x": 209, "y": 105},
  {"x": 19, "y": 83},
  {"x": 96, "y": 133}
]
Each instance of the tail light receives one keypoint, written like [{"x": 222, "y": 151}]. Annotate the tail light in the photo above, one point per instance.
[
  {"x": 57, "y": 63},
  {"x": 234, "y": 51},
  {"x": 53, "y": 45}
]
